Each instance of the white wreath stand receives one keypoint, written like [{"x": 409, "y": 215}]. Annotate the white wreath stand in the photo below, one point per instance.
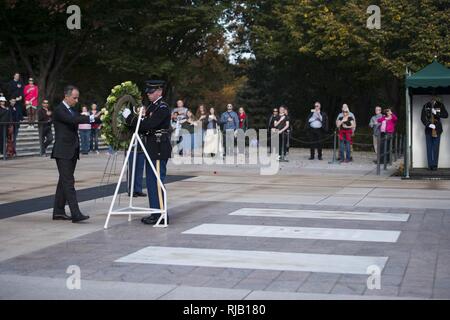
[{"x": 133, "y": 210}]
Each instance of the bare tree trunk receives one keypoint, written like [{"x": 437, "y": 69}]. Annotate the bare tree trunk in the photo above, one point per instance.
[
  {"x": 392, "y": 90},
  {"x": 13, "y": 57}
]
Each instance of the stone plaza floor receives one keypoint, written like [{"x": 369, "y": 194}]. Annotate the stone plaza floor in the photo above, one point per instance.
[{"x": 309, "y": 232}]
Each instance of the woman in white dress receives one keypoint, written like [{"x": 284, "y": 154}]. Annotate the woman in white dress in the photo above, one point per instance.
[{"x": 213, "y": 135}]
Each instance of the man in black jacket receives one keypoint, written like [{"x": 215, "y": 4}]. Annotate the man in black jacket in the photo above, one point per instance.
[
  {"x": 15, "y": 90},
  {"x": 66, "y": 151},
  {"x": 318, "y": 125},
  {"x": 44, "y": 116},
  {"x": 432, "y": 113}
]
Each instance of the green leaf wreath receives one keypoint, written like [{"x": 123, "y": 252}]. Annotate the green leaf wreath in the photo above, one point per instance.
[{"x": 114, "y": 130}]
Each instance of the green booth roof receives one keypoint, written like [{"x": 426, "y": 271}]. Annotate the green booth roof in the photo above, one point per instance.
[{"x": 433, "y": 75}]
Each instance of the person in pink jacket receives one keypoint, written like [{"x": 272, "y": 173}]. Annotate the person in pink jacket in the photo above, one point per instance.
[
  {"x": 31, "y": 93},
  {"x": 387, "y": 130}
]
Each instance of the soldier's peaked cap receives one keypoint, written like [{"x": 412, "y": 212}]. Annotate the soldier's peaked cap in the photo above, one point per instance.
[{"x": 153, "y": 85}]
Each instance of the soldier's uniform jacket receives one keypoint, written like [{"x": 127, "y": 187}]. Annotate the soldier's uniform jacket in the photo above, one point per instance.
[
  {"x": 155, "y": 128},
  {"x": 426, "y": 116}
]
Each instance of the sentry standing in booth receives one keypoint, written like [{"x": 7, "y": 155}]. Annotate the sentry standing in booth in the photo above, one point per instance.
[{"x": 432, "y": 113}]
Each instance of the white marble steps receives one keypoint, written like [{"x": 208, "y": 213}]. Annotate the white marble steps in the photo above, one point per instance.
[
  {"x": 322, "y": 214},
  {"x": 338, "y": 234},
  {"x": 247, "y": 259}
]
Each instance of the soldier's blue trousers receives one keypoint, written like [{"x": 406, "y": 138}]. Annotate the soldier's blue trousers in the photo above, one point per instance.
[
  {"x": 432, "y": 149},
  {"x": 151, "y": 181},
  {"x": 139, "y": 171}
]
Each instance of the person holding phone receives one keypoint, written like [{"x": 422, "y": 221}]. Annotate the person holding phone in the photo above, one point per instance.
[
  {"x": 282, "y": 125},
  {"x": 387, "y": 129},
  {"x": 345, "y": 125},
  {"x": 229, "y": 120},
  {"x": 317, "y": 125}
]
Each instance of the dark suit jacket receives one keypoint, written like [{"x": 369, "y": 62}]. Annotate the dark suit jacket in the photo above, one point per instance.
[{"x": 67, "y": 144}]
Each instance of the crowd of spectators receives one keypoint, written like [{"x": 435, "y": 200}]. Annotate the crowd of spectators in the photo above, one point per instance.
[
  {"x": 21, "y": 101},
  {"x": 22, "y": 106}
]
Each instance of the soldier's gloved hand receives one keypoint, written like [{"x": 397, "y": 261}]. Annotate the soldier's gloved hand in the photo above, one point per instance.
[
  {"x": 126, "y": 112},
  {"x": 432, "y": 126},
  {"x": 433, "y": 111}
]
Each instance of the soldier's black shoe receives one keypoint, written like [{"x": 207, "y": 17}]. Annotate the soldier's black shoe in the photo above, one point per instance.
[
  {"x": 79, "y": 217},
  {"x": 61, "y": 216},
  {"x": 152, "y": 219}
]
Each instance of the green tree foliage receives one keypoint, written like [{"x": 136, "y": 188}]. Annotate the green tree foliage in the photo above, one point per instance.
[
  {"x": 35, "y": 36},
  {"x": 118, "y": 40},
  {"x": 307, "y": 50}
]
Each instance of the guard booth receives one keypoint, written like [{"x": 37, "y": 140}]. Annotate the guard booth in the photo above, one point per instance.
[{"x": 420, "y": 87}]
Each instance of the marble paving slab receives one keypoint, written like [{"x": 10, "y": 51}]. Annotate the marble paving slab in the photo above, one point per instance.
[
  {"x": 321, "y": 214},
  {"x": 295, "y": 232},
  {"x": 262, "y": 260}
]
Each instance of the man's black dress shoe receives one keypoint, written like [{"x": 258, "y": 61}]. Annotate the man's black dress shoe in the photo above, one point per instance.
[
  {"x": 79, "y": 217},
  {"x": 152, "y": 219},
  {"x": 139, "y": 194},
  {"x": 61, "y": 216},
  {"x": 311, "y": 158}
]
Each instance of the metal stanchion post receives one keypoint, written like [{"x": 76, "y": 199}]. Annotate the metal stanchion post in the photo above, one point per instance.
[
  {"x": 378, "y": 154},
  {"x": 5, "y": 155},
  {"x": 395, "y": 147},
  {"x": 390, "y": 136},
  {"x": 398, "y": 146},
  {"x": 402, "y": 149},
  {"x": 40, "y": 130},
  {"x": 334, "y": 161},
  {"x": 384, "y": 151}
]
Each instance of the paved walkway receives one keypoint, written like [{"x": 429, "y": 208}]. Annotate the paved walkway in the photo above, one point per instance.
[{"x": 235, "y": 234}]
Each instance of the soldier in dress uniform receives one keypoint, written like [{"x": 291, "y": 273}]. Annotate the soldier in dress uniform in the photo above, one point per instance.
[
  {"x": 155, "y": 127},
  {"x": 432, "y": 113}
]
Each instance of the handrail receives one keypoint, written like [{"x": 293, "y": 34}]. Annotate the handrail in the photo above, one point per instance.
[
  {"x": 23, "y": 122},
  {"x": 6, "y": 124}
]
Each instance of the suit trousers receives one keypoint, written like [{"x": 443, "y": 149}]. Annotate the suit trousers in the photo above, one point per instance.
[
  {"x": 65, "y": 191},
  {"x": 316, "y": 137}
]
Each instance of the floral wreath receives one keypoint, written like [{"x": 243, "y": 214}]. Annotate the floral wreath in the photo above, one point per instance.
[{"x": 114, "y": 130}]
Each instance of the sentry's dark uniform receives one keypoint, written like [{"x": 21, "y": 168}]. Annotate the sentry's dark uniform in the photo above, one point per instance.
[
  {"x": 433, "y": 137},
  {"x": 156, "y": 129}
]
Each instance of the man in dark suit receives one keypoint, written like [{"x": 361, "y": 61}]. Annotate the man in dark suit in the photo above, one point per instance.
[{"x": 66, "y": 151}]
